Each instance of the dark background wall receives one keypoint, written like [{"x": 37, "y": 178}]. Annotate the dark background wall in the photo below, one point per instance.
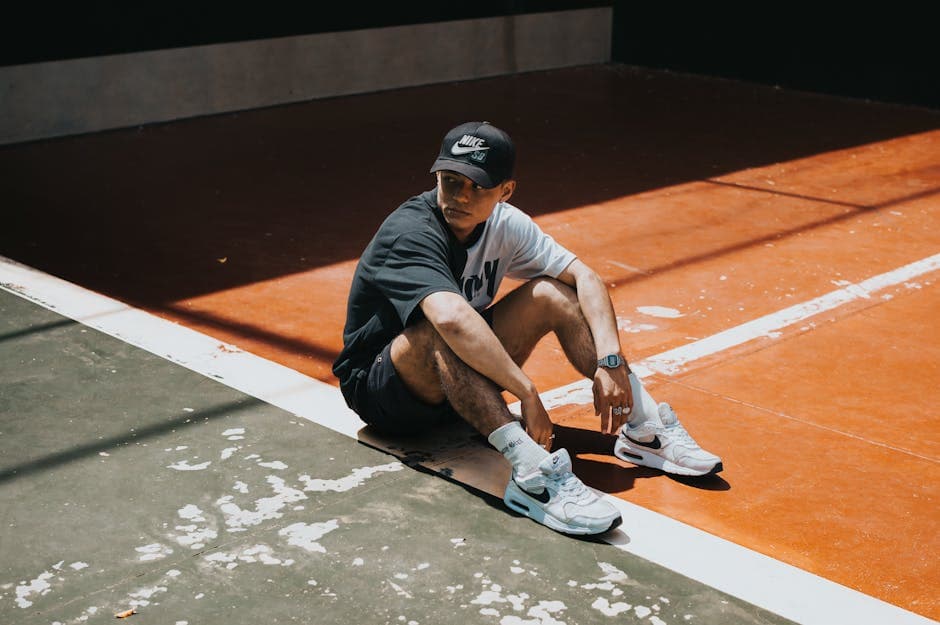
[
  {"x": 880, "y": 51},
  {"x": 883, "y": 53},
  {"x": 92, "y": 29}
]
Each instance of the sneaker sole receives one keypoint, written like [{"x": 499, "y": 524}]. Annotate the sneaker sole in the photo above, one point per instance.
[
  {"x": 525, "y": 506},
  {"x": 641, "y": 457}
]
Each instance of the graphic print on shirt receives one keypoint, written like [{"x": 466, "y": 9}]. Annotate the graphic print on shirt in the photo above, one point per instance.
[
  {"x": 512, "y": 246},
  {"x": 472, "y": 285}
]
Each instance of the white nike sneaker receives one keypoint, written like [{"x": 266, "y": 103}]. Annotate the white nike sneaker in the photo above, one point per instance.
[
  {"x": 670, "y": 448},
  {"x": 556, "y": 498}
]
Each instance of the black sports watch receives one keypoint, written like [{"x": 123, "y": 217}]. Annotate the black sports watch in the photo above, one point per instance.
[{"x": 611, "y": 361}]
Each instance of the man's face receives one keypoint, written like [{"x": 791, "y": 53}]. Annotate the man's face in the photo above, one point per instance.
[{"x": 466, "y": 204}]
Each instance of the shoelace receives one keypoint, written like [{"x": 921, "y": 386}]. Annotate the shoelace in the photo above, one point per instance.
[
  {"x": 680, "y": 435},
  {"x": 569, "y": 484}
]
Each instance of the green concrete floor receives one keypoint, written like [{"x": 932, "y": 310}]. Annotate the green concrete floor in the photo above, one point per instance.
[{"x": 129, "y": 482}]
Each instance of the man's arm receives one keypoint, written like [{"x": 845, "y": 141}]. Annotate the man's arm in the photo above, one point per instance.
[
  {"x": 473, "y": 341},
  {"x": 611, "y": 386}
]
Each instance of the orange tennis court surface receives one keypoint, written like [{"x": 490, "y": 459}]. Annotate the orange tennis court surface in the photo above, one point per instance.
[{"x": 704, "y": 204}]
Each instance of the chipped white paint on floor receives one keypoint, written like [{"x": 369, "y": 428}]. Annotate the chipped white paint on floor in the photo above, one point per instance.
[
  {"x": 354, "y": 479},
  {"x": 183, "y": 465},
  {"x": 194, "y": 537},
  {"x": 275, "y": 464},
  {"x": 141, "y": 597},
  {"x": 228, "y": 452},
  {"x": 191, "y": 512},
  {"x": 38, "y": 586},
  {"x": 234, "y": 434},
  {"x": 628, "y": 326},
  {"x": 153, "y": 551},
  {"x": 259, "y": 553},
  {"x": 306, "y": 535},
  {"x": 266, "y": 508},
  {"x": 401, "y": 592},
  {"x": 523, "y": 609},
  {"x": 663, "y": 312},
  {"x": 606, "y": 608}
]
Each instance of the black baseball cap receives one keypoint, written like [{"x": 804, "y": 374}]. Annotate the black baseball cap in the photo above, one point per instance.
[{"x": 478, "y": 150}]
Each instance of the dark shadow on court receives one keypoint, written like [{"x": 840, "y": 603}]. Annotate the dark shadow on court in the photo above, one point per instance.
[
  {"x": 429, "y": 453},
  {"x": 616, "y": 476},
  {"x": 79, "y": 452},
  {"x": 45, "y": 327},
  {"x": 164, "y": 212},
  {"x": 774, "y": 236},
  {"x": 252, "y": 331}
]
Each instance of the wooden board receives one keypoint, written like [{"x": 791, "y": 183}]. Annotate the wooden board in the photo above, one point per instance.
[{"x": 455, "y": 451}]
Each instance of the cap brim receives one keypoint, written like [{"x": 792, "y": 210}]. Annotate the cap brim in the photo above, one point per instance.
[{"x": 472, "y": 172}]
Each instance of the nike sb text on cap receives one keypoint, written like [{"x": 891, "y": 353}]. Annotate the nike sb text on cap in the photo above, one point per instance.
[{"x": 478, "y": 150}]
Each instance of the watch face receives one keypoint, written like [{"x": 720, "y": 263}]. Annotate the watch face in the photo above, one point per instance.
[{"x": 613, "y": 361}]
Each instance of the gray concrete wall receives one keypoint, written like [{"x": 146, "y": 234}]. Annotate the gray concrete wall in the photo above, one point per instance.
[{"x": 59, "y": 98}]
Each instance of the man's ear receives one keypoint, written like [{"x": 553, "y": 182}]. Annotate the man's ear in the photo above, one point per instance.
[{"x": 509, "y": 188}]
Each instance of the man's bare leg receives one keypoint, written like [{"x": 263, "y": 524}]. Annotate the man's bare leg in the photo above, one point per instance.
[
  {"x": 538, "y": 307},
  {"x": 545, "y": 305},
  {"x": 434, "y": 373}
]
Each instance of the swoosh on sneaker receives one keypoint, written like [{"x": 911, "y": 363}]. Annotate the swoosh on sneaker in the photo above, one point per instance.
[
  {"x": 458, "y": 149},
  {"x": 653, "y": 444},
  {"x": 542, "y": 497}
]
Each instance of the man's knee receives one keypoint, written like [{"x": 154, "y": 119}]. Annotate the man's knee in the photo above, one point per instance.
[
  {"x": 417, "y": 344},
  {"x": 556, "y": 297},
  {"x": 414, "y": 356}
]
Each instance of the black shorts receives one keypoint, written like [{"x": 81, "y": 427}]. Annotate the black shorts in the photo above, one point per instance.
[{"x": 383, "y": 401}]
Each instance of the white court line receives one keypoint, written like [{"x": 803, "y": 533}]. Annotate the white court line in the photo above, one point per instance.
[
  {"x": 671, "y": 362},
  {"x": 767, "y": 583}
]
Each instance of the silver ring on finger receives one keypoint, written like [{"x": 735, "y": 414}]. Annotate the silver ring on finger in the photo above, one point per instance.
[{"x": 617, "y": 410}]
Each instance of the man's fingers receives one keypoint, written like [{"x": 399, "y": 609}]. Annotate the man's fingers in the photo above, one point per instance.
[
  {"x": 543, "y": 438},
  {"x": 612, "y": 420}
]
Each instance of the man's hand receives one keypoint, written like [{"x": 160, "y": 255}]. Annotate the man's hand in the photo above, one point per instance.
[
  {"x": 536, "y": 421},
  {"x": 613, "y": 398}
]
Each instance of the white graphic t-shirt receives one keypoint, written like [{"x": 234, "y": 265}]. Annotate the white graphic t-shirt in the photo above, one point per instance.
[{"x": 511, "y": 245}]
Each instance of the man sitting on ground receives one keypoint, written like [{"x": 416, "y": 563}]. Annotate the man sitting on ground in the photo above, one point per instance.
[{"x": 424, "y": 342}]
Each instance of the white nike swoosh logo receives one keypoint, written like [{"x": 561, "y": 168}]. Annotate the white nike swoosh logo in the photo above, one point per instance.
[{"x": 458, "y": 149}]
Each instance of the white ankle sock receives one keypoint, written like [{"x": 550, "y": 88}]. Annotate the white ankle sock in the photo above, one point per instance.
[
  {"x": 645, "y": 410},
  {"x": 522, "y": 452}
]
